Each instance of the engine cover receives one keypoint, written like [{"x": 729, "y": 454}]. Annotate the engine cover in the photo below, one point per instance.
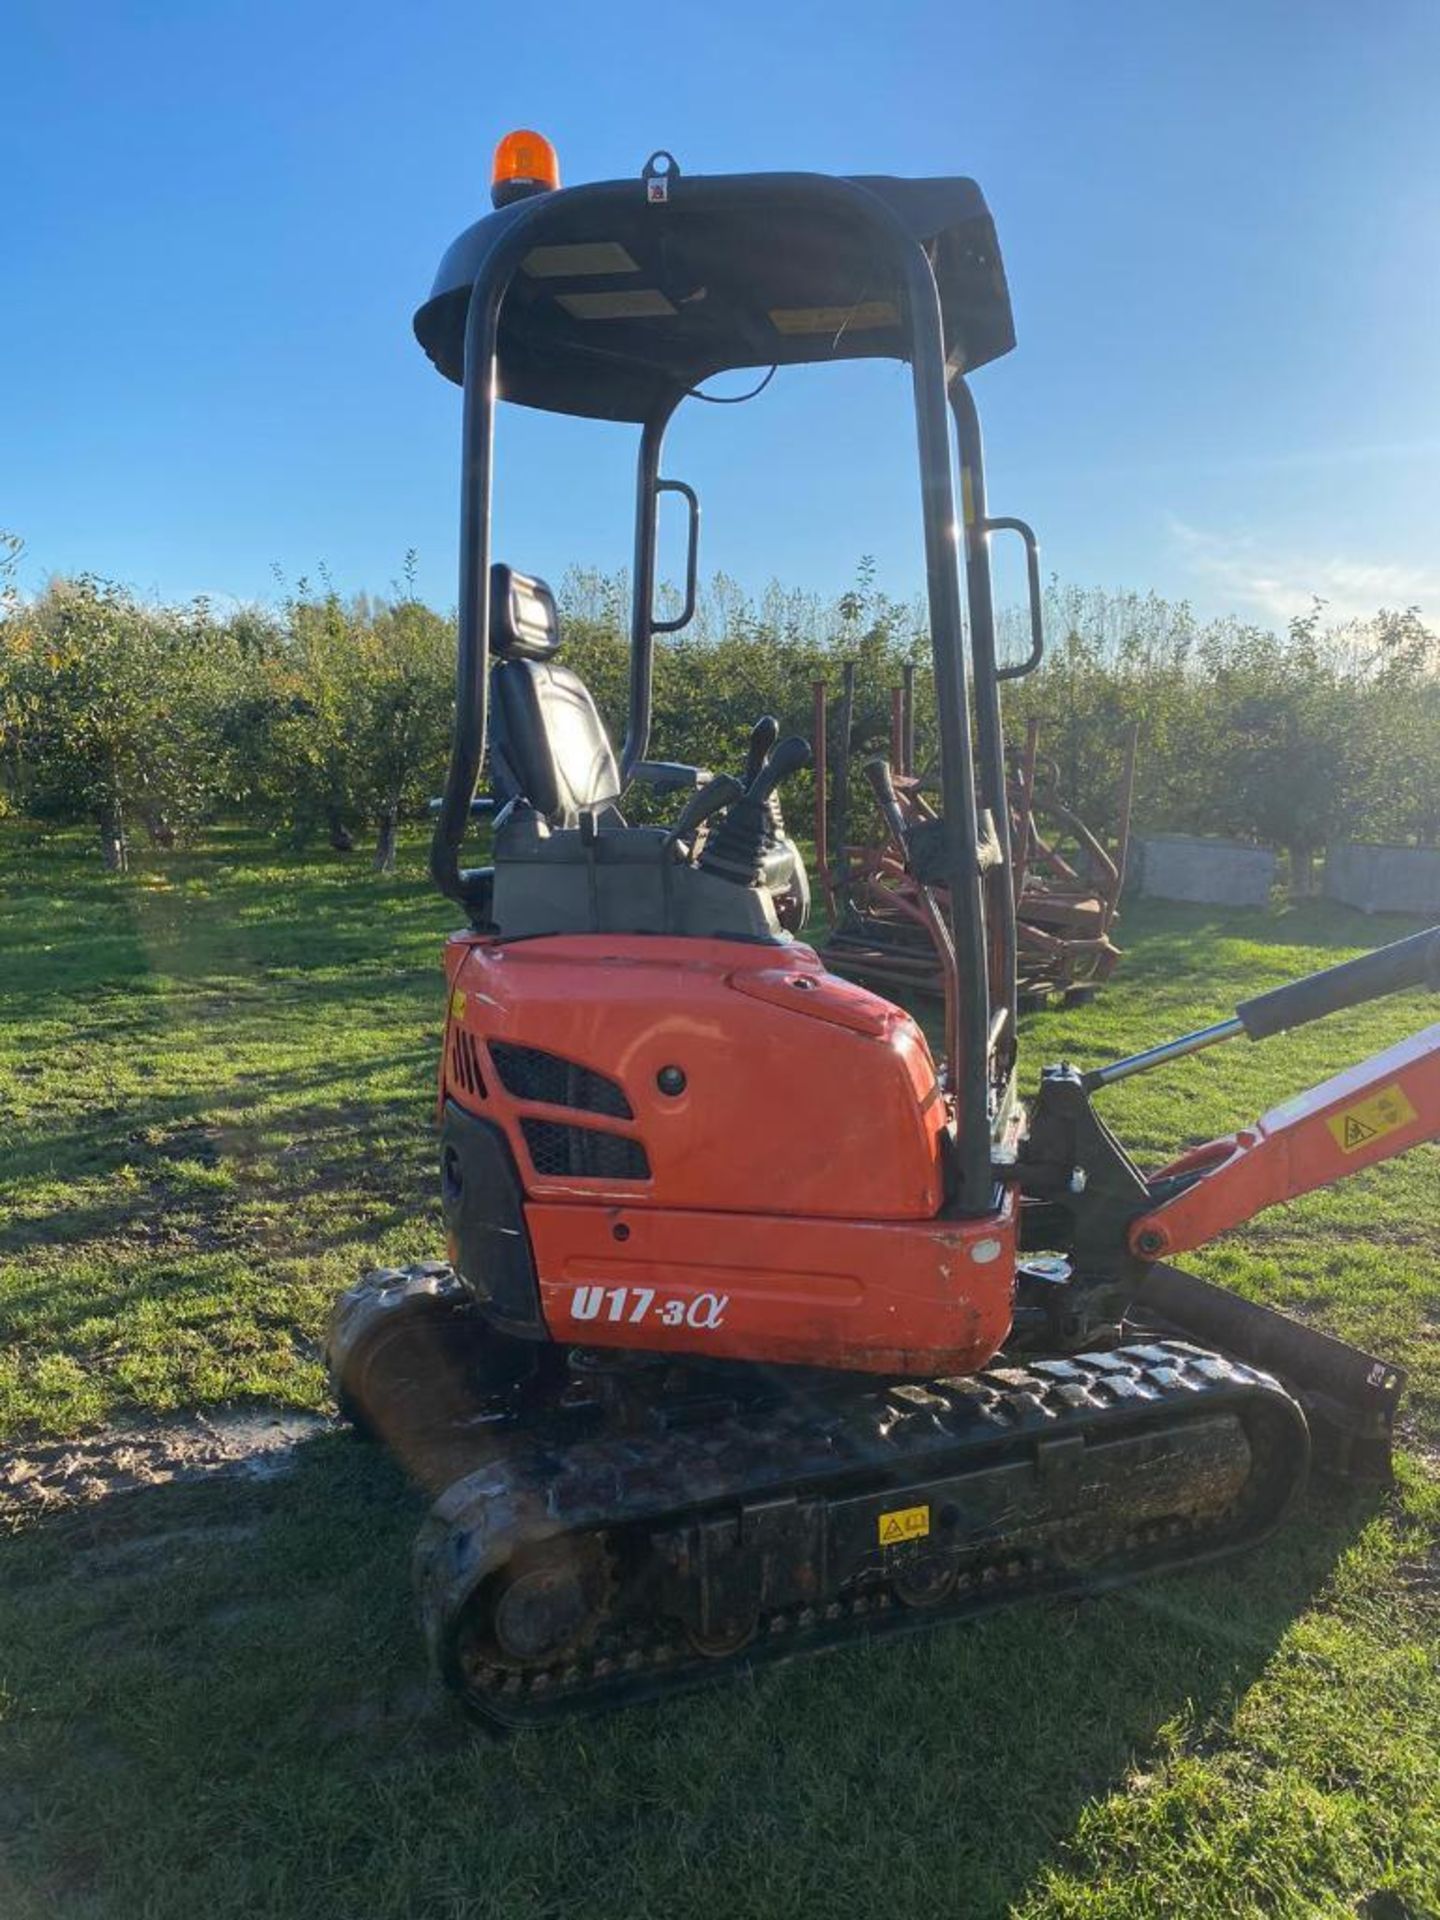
[{"x": 724, "y": 1150}]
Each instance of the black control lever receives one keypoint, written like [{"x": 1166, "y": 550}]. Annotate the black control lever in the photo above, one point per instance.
[
  {"x": 791, "y": 754},
  {"x": 763, "y": 735},
  {"x": 737, "y": 848},
  {"x": 723, "y": 791}
]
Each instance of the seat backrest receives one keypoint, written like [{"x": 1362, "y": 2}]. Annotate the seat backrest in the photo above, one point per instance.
[{"x": 547, "y": 740}]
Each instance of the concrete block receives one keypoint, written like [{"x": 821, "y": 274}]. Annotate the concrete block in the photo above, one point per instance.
[
  {"x": 1223, "y": 873},
  {"x": 1381, "y": 879}
]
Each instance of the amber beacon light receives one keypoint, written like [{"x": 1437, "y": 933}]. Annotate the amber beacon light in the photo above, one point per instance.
[{"x": 525, "y": 163}]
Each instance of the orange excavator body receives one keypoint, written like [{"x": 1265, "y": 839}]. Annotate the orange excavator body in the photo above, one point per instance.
[
  {"x": 806, "y": 1227},
  {"x": 762, "y": 1328}
]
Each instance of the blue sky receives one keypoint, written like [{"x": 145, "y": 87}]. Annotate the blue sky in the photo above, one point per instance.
[{"x": 1221, "y": 225}]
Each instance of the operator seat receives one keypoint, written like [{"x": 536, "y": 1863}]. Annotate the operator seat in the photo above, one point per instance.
[
  {"x": 547, "y": 740},
  {"x": 548, "y": 744}
]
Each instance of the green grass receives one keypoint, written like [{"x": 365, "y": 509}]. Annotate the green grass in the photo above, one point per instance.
[{"x": 215, "y": 1095}]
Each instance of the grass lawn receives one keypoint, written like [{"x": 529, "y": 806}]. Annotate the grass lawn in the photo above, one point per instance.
[{"x": 217, "y": 1086}]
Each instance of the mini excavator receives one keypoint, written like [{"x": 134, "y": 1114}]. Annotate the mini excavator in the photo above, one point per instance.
[{"x": 762, "y": 1330}]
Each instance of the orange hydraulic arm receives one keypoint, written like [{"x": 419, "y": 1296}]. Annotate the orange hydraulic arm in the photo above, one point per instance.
[
  {"x": 1118, "y": 1225},
  {"x": 1380, "y": 1108},
  {"x": 1385, "y": 1106}
]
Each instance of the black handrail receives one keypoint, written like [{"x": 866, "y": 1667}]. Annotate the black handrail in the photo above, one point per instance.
[
  {"x": 1007, "y": 523},
  {"x": 692, "y": 556},
  {"x": 999, "y": 958}
]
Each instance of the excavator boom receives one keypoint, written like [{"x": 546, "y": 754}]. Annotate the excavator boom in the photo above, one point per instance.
[
  {"x": 1368, "y": 1113},
  {"x": 1127, "y": 1226}
]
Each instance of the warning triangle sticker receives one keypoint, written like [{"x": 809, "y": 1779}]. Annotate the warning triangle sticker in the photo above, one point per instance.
[
  {"x": 903, "y": 1523},
  {"x": 1383, "y": 1113}
]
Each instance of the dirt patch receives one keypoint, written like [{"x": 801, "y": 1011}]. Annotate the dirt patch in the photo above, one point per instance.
[
  {"x": 256, "y": 1443},
  {"x": 198, "y": 1142}
]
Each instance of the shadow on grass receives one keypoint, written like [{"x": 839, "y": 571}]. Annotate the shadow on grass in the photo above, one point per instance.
[
  {"x": 219, "y": 1706},
  {"x": 79, "y": 947},
  {"x": 120, "y": 1135}
]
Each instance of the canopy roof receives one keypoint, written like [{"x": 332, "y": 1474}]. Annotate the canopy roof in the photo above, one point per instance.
[{"x": 621, "y": 304}]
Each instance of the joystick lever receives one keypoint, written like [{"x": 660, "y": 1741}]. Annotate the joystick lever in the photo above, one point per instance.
[
  {"x": 723, "y": 791},
  {"x": 763, "y": 735},
  {"x": 791, "y": 754}
]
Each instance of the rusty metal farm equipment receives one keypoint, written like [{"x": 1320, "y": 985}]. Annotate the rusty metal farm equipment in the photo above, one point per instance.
[{"x": 1066, "y": 882}]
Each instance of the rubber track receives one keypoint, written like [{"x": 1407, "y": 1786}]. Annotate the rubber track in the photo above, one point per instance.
[{"x": 824, "y": 1446}]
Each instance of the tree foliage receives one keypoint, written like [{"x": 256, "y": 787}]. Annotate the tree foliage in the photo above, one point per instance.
[
  {"x": 332, "y": 716},
  {"x": 107, "y": 709},
  {"x": 349, "y": 718}
]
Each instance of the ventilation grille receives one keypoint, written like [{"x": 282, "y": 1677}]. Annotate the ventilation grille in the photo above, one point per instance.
[
  {"x": 529, "y": 1074},
  {"x": 584, "y": 1151},
  {"x": 465, "y": 1064}
]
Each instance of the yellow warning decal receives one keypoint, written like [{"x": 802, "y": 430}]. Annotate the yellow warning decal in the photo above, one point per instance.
[
  {"x": 1371, "y": 1119},
  {"x": 904, "y": 1523},
  {"x": 457, "y": 1005}
]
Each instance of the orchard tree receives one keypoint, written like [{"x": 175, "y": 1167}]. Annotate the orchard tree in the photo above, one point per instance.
[
  {"x": 351, "y": 716},
  {"x": 399, "y": 696},
  {"x": 303, "y": 775},
  {"x": 1397, "y": 746},
  {"x": 109, "y": 707},
  {"x": 1283, "y": 769},
  {"x": 12, "y": 696}
]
